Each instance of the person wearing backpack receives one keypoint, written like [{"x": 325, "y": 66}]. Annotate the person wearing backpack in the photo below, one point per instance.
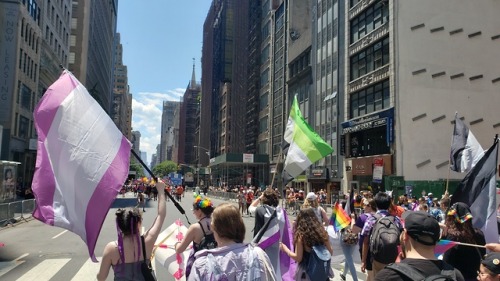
[
  {"x": 199, "y": 233},
  {"x": 418, "y": 261},
  {"x": 312, "y": 248},
  {"x": 232, "y": 260},
  {"x": 381, "y": 235}
]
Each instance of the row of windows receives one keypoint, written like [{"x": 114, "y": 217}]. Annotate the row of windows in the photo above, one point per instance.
[
  {"x": 300, "y": 64},
  {"x": 371, "y": 18},
  {"x": 54, "y": 43},
  {"x": 33, "y": 9},
  {"x": 27, "y": 65},
  {"x": 371, "y": 58},
  {"x": 29, "y": 36},
  {"x": 371, "y": 99}
]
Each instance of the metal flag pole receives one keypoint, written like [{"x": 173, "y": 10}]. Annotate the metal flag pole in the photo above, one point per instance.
[{"x": 177, "y": 205}]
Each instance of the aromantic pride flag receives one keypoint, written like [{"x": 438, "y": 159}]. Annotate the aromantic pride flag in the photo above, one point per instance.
[
  {"x": 82, "y": 160},
  {"x": 465, "y": 149},
  {"x": 339, "y": 219},
  {"x": 304, "y": 145},
  {"x": 478, "y": 191}
]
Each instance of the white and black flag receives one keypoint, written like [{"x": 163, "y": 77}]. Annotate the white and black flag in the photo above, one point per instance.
[
  {"x": 465, "y": 149},
  {"x": 478, "y": 190}
]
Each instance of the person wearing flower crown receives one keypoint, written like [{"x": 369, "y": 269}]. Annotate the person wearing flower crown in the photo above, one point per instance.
[{"x": 202, "y": 210}]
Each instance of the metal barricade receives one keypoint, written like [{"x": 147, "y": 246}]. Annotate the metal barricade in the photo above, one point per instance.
[
  {"x": 15, "y": 211},
  {"x": 28, "y": 206}
]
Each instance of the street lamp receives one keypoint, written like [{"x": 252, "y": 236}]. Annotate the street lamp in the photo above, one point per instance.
[{"x": 207, "y": 151}]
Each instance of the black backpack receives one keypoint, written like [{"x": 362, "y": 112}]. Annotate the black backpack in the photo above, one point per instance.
[
  {"x": 208, "y": 241},
  {"x": 384, "y": 239},
  {"x": 447, "y": 273}
]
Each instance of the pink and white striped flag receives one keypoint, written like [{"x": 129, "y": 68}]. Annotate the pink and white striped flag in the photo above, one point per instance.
[{"x": 82, "y": 160}]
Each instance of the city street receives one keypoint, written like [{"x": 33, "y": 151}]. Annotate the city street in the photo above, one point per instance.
[{"x": 35, "y": 251}]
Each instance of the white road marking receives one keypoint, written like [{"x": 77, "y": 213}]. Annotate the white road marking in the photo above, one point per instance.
[
  {"x": 8, "y": 266},
  {"x": 88, "y": 271},
  {"x": 22, "y": 256},
  {"x": 59, "y": 234},
  {"x": 44, "y": 270}
]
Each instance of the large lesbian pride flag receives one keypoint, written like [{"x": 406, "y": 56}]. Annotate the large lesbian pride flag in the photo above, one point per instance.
[{"x": 82, "y": 160}]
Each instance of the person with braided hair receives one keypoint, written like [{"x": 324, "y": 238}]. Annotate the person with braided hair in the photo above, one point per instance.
[
  {"x": 125, "y": 255},
  {"x": 202, "y": 210}
]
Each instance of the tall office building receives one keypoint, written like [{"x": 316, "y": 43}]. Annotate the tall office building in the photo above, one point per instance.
[
  {"x": 167, "y": 130},
  {"x": 224, "y": 77},
  {"x": 121, "y": 112},
  {"x": 253, "y": 131},
  {"x": 326, "y": 99},
  {"x": 188, "y": 119},
  {"x": 410, "y": 65},
  {"x": 92, "y": 41},
  {"x": 21, "y": 43},
  {"x": 136, "y": 142}
]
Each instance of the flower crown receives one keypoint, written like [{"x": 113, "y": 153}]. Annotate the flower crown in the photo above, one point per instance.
[{"x": 202, "y": 203}]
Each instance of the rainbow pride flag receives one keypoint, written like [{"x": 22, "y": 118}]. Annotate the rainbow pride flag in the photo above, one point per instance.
[{"x": 339, "y": 219}]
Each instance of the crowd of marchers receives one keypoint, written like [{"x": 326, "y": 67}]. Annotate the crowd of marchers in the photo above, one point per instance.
[{"x": 396, "y": 240}]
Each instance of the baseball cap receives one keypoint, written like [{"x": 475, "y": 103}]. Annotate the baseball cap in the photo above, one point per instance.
[
  {"x": 492, "y": 262},
  {"x": 311, "y": 196},
  {"x": 422, "y": 227}
]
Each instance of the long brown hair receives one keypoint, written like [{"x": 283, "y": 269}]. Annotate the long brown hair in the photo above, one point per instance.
[
  {"x": 460, "y": 232},
  {"x": 309, "y": 229}
]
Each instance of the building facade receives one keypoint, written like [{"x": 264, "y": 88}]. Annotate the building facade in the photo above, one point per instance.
[
  {"x": 92, "y": 47},
  {"x": 167, "y": 130},
  {"x": 121, "y": 112},
  {"x": 21, "y": 44},
  {"x": 188, "y": 118},
  {"x": 410, "y": 67}
]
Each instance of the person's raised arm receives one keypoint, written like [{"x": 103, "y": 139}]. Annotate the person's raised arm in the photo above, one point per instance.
[
  {"x": 153, "y": 232},
  {"x": 180, "y": 247}
]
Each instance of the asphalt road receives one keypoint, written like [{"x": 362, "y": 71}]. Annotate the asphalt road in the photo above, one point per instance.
[{"x": 35, "y": 251}]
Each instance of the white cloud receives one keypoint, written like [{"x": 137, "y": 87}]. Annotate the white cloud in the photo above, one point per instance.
[{"x": 146, "y": 117}]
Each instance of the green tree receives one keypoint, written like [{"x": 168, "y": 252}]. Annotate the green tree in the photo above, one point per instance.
[
  {"x": 137, "y": 167},
  {"x": 164, "y": 168}
]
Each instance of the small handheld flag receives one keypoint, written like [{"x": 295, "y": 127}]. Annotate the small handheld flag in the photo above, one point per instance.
[
  {"x": 339, "y": 219},
  {"x": 442, "y": 246}
]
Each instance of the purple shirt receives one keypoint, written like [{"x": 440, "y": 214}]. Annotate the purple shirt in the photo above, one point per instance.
[
  {"x": 360, "y": 222},
  {"x": 370, "y": 221}
]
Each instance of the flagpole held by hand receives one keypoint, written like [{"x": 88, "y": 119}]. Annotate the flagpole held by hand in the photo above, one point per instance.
[{"x": 177, "y": 205}]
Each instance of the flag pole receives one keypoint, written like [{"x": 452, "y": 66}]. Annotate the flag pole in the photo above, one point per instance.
[
  {"x": 449, "y": 157},
  {"x": 277, "y": 164},
  {"x": 177, "y": 205}
]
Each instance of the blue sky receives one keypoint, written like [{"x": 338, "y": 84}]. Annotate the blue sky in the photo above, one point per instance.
[{"x": 160, "y": 40}]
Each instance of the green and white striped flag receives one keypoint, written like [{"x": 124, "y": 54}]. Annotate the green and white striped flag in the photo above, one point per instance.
[{"x": 304, "y": 146}]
